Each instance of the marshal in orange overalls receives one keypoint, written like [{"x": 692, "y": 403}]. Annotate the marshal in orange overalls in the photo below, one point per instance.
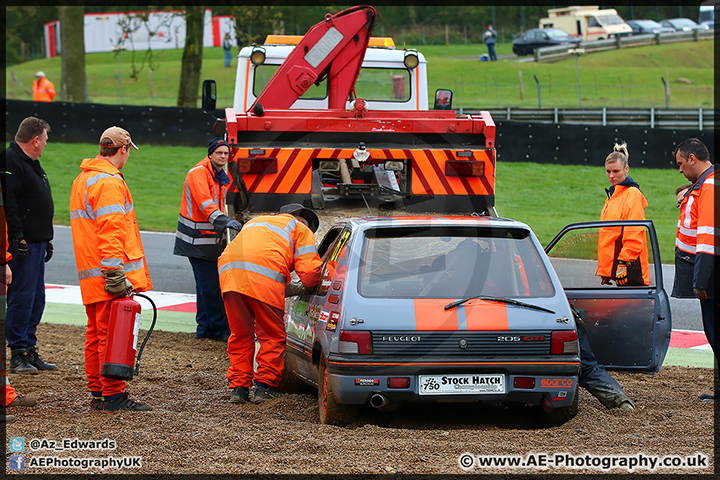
[{"x": 254, "y": 270}]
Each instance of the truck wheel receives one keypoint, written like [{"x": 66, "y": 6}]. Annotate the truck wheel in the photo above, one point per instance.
[
  {"x": 316, "y": 193},
  {"x": 331, "y": 412},
  {"x": 289, "y": 382},
  {"x": 558, "y": 416}
]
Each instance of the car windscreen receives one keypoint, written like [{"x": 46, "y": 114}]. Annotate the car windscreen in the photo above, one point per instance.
[
  {"x": 451, "y": 262},
  {"x": 607, "y": 20},
  {"x": 373, "y": 84},
  {"x": 557, "y": 33}
]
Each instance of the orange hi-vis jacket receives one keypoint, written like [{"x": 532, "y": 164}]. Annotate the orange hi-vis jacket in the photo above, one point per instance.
[
  {"x": 43, "y": 90},
  {"x": 201, "y": 223},
  {"x": 105, "y": 232},
  {"x": 696, "y": 238},
  {"x": 623, "y": 243},
  {"x": 258, "y": 262}
]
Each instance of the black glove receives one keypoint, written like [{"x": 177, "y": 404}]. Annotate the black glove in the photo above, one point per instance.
[
  {"x": 605, "y": 281},
  {"x": 621, "y": 272},
  {"x": 234, "y": 224},
  {"x": 22, "y": 249},
  {"x": 49, "y": 252},
  {"x": 294, "y": 288}
]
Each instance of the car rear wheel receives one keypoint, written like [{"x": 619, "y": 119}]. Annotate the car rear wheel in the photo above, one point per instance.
[
  {"x": 558, "y": 416},
  {"x": 331, "y": 412}
]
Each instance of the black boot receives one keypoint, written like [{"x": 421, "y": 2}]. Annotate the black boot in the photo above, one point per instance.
[
  {"x": 20, "y": 362},
  {"x": 37, "y": 362}
]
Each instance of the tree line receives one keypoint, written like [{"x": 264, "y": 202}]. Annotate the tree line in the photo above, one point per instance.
[{"x": 416, "y": 24}]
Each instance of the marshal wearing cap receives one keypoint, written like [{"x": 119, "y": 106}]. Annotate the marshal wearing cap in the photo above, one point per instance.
[
  {"x": 306, "y": 213},
  {"x": 119, "y": 136}
]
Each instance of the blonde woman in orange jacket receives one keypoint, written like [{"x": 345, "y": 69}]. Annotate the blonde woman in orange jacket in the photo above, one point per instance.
[
  {"x": 109, "y": 256},
  {"x": 622, "y": 251}
]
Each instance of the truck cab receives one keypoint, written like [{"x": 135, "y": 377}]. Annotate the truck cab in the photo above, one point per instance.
[
  {"x": 384, "y": 81},
  {"x": 342, "y": 115}
]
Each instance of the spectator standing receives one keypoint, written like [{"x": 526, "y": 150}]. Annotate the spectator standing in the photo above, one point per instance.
[
  {"x": 489, "y": 38},
  {"x": 622, "y": 251},
  {"x": 254, "y": 272},
  {"x": 109, "y": 256},
  {"x": 696, "y": 237},
  {"x": 43, "y": 89},
  {"x": 11, "y": 398},
  {"x": 29, "y": 210},
  {"x": 227, "y": 48},
  {"x": 200, "y": 236}
]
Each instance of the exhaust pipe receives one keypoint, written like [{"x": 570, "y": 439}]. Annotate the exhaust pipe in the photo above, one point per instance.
[{"x": 378, "y": 400}]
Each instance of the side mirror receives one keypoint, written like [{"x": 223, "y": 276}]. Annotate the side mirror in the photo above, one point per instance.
[
  {"x": 209, "y": 95},
  {"x": 443, "y": 99}
]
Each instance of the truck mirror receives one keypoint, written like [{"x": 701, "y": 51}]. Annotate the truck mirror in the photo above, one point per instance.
[
  {"x": 443, "y": 99},
  {"x": 209, "y": 95}
]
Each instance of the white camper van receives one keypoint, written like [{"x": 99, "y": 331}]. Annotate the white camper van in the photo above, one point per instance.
[{"x": 588, "y": 22}]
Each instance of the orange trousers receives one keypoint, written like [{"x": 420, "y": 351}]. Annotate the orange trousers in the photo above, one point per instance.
[
  {"x": 10, "y": 394},
  {"x": 95, "y": 339},
  {"x": 249, "y": 317}
]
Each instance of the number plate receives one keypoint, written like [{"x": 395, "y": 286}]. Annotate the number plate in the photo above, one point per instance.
[{"x": 461, "y": 384}]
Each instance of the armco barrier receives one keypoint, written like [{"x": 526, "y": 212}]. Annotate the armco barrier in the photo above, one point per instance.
[
  {"x": 561, "y": 52},
  {"x": 517, "y": 141},
  {"x": 84, "y": 122},
  {"x": 590, "y": 144}
]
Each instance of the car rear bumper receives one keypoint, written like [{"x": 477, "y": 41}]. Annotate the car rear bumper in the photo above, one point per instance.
[{"x": 355, "y": 381}]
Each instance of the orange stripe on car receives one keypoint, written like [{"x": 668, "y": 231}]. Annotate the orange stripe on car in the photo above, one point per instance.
[
  {"x": 484, "y": 315},
  {"x": 430, "y": 314}
]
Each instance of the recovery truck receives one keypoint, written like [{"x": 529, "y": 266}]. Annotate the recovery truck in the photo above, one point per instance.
[{"x": 310, "y": 137}]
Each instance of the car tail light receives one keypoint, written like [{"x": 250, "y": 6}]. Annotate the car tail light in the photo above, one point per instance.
[
  {"x": 563, "y": 342},
  {"x": 355, "y": 342},
  {"x": 464, "y": 168},
  {"x": 524, "y": 382},
  {"x": 398, "y": 382},
  {"x": 257, "y": 165}
]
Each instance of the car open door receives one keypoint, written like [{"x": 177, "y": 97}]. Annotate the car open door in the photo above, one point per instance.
[{"x": 628, "y": 326}]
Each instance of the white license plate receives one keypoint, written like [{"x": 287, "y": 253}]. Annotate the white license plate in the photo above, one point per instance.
[{"x": 461, "y": 384}]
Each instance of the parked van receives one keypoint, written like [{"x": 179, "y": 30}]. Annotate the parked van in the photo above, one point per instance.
[
  {"x": 588, "y": 22},
  {"x": 707, "y": 13}
]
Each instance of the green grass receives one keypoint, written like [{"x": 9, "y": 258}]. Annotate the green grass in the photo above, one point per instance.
[
  {"x": 154, "y": 174},
  {"x": 547, "y": 197},
  {"x": 628, "y": 77}
]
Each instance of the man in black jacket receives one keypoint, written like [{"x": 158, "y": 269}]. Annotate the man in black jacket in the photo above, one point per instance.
[{"x": 29, "y": 211}]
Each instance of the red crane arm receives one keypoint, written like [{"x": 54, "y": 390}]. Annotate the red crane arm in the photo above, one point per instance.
[{"x": 336, "y": 47}]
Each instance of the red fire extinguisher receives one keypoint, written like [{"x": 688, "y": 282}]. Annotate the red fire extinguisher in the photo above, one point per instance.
[{"x": 122, "y": 338}]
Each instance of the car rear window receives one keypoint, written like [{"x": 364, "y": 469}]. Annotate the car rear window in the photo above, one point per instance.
[{"x": 451, "y": 262}]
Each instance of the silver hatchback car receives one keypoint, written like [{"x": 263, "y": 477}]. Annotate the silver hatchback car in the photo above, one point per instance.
[{"x": 444, "y": 308}]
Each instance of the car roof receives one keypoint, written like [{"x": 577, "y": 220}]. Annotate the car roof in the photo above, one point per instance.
[
  {"x": 643, "y": 20},
  {"x": 431, "y": 221},
  {"x": 545, "y": 29}
]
